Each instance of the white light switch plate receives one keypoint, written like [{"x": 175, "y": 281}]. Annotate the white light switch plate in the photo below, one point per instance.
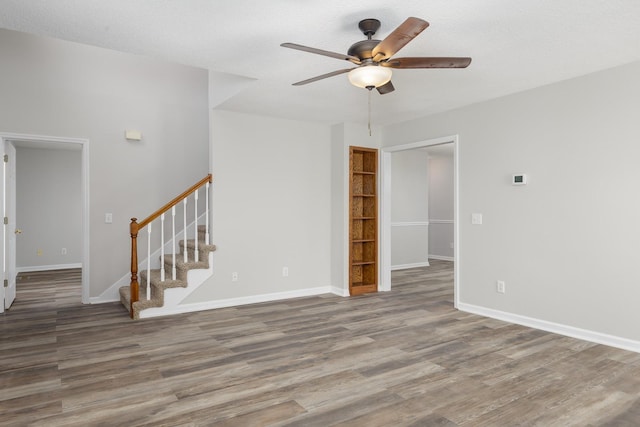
[
  {"x": 476, "y": 218},
  {"x": 108, "y": 218}
]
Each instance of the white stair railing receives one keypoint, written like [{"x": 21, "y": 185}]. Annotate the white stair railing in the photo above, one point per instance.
[
  {"x": 135, "y": 227},
  {"x": 184, "y": 229},
  {"x": 195, "y": 229},
  {"x": 206, "y": 216},
  {"x": 173, "y": 243},
  {"x": 162, "y": 248},
  {"x": 149, "y": 261}
]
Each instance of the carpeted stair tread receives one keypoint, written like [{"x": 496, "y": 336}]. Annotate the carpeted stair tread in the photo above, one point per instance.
[
  {"x": 157, "y": 286},
  {"x": 181, "y": 266},
  {"x": 190, "y": 264},
  {"x": 202, "y": 247}
]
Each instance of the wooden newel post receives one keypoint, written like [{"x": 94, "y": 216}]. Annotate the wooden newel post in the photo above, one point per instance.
[{"x": 134, "y": 286}]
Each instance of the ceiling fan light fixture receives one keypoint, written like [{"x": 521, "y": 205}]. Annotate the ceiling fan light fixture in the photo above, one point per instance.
[{"x": 370, "y": 76}]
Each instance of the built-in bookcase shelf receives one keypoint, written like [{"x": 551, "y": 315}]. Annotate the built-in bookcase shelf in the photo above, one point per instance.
[{"x": 363, "y": 220}]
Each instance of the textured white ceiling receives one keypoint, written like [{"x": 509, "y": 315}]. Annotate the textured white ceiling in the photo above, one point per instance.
[{"x": 515, "y": 45}]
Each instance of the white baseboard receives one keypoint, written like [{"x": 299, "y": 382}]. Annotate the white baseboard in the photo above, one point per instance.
[
  {"x": 557, "y": 328},
  {"x": 47, "y": 267},
  {"x": 254, "y": 299},
  {"x": 405, "y": 266},
  {"x": 104, "y": 299},
  {"x": 339, "y": 291},
  {"x": 441, "y": 257}
]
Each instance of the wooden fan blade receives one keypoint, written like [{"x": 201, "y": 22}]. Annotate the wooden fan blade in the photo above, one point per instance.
[
  {"x": 323, "y": 76},
  {"x": 395, "y": 41},
  {"x": 342, "y": 56},
  {"x": 386, "y": 88},
  {"x": 433, "y": 62}
]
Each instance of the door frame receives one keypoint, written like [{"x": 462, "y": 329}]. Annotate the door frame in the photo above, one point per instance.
[
  {"x": 385, "y": 210},
  {"x": 51, "y": 142},
  {"x": 9, "y": 228}
]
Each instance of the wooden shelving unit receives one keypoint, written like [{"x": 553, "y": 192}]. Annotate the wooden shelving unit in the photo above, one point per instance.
[{"x": 363, "y": 220}]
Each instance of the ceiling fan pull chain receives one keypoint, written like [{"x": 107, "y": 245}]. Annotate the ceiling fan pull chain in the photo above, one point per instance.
[{"x": 369, "y": 111}]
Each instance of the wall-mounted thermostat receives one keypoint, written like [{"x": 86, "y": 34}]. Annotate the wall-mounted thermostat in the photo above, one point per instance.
[{"x": 519, "y": 179}]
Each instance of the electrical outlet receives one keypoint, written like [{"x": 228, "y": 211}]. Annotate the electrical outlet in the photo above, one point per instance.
[
  {"x": 500, "y": 287},
  {"x": 108, "y": 218},
  {"x": 39, "y": 252},
  {"x": 285, "y": 271},
  {"x": 63, "y": 251},
  {"x": 234, "y": 276}
]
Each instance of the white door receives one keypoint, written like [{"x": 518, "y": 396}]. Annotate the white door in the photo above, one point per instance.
[{"x": 10, "y": 230}]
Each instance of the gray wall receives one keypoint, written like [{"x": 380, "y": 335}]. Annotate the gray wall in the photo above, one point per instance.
[
  {"x": 441, "y": 203},
  {"x": 57, "y": 88},
  {"x": 271, "y": 206},
  {"x": 48, "y": 208},
  {"x": 409, "y": 209},
  {"x": 567, "y": 243}
]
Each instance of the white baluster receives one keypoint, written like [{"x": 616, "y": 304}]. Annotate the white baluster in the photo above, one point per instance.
[
  {"x": 206, "y": 215},
  {"x": 149, "y": 261},
  {"x": 195, "y": 222},
  {"x": 173, "y": 242},
  {"x": 162, "y": 248},
  {"x": 184, "y": 217}
]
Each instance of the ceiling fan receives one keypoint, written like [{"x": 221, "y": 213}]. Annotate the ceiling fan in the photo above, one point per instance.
[{"x": 374, "y": 57}]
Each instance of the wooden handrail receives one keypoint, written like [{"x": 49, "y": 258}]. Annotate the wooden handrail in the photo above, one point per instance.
[
  {"x": 135, "y": 227},
  {"x": 156, "y": 214}
]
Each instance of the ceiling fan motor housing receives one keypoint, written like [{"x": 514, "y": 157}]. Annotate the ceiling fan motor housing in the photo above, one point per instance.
[{"x": 362, "y": 49}]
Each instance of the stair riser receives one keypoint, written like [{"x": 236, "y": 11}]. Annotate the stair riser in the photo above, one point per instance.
[{"x": 157, "y": 287}]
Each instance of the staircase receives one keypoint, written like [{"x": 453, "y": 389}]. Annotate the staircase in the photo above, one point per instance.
[
  {"x": 158, "y": 287},
  {"x": 178, "y": 274}
]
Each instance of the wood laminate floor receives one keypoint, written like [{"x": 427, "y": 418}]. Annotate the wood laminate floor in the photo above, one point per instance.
[{"x": 401, "y": 358}]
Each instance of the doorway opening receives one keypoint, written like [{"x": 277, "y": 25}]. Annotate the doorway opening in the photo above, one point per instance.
[
  {"x": 419, "y": 228},
  {"x": 59, "y": 148}
]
